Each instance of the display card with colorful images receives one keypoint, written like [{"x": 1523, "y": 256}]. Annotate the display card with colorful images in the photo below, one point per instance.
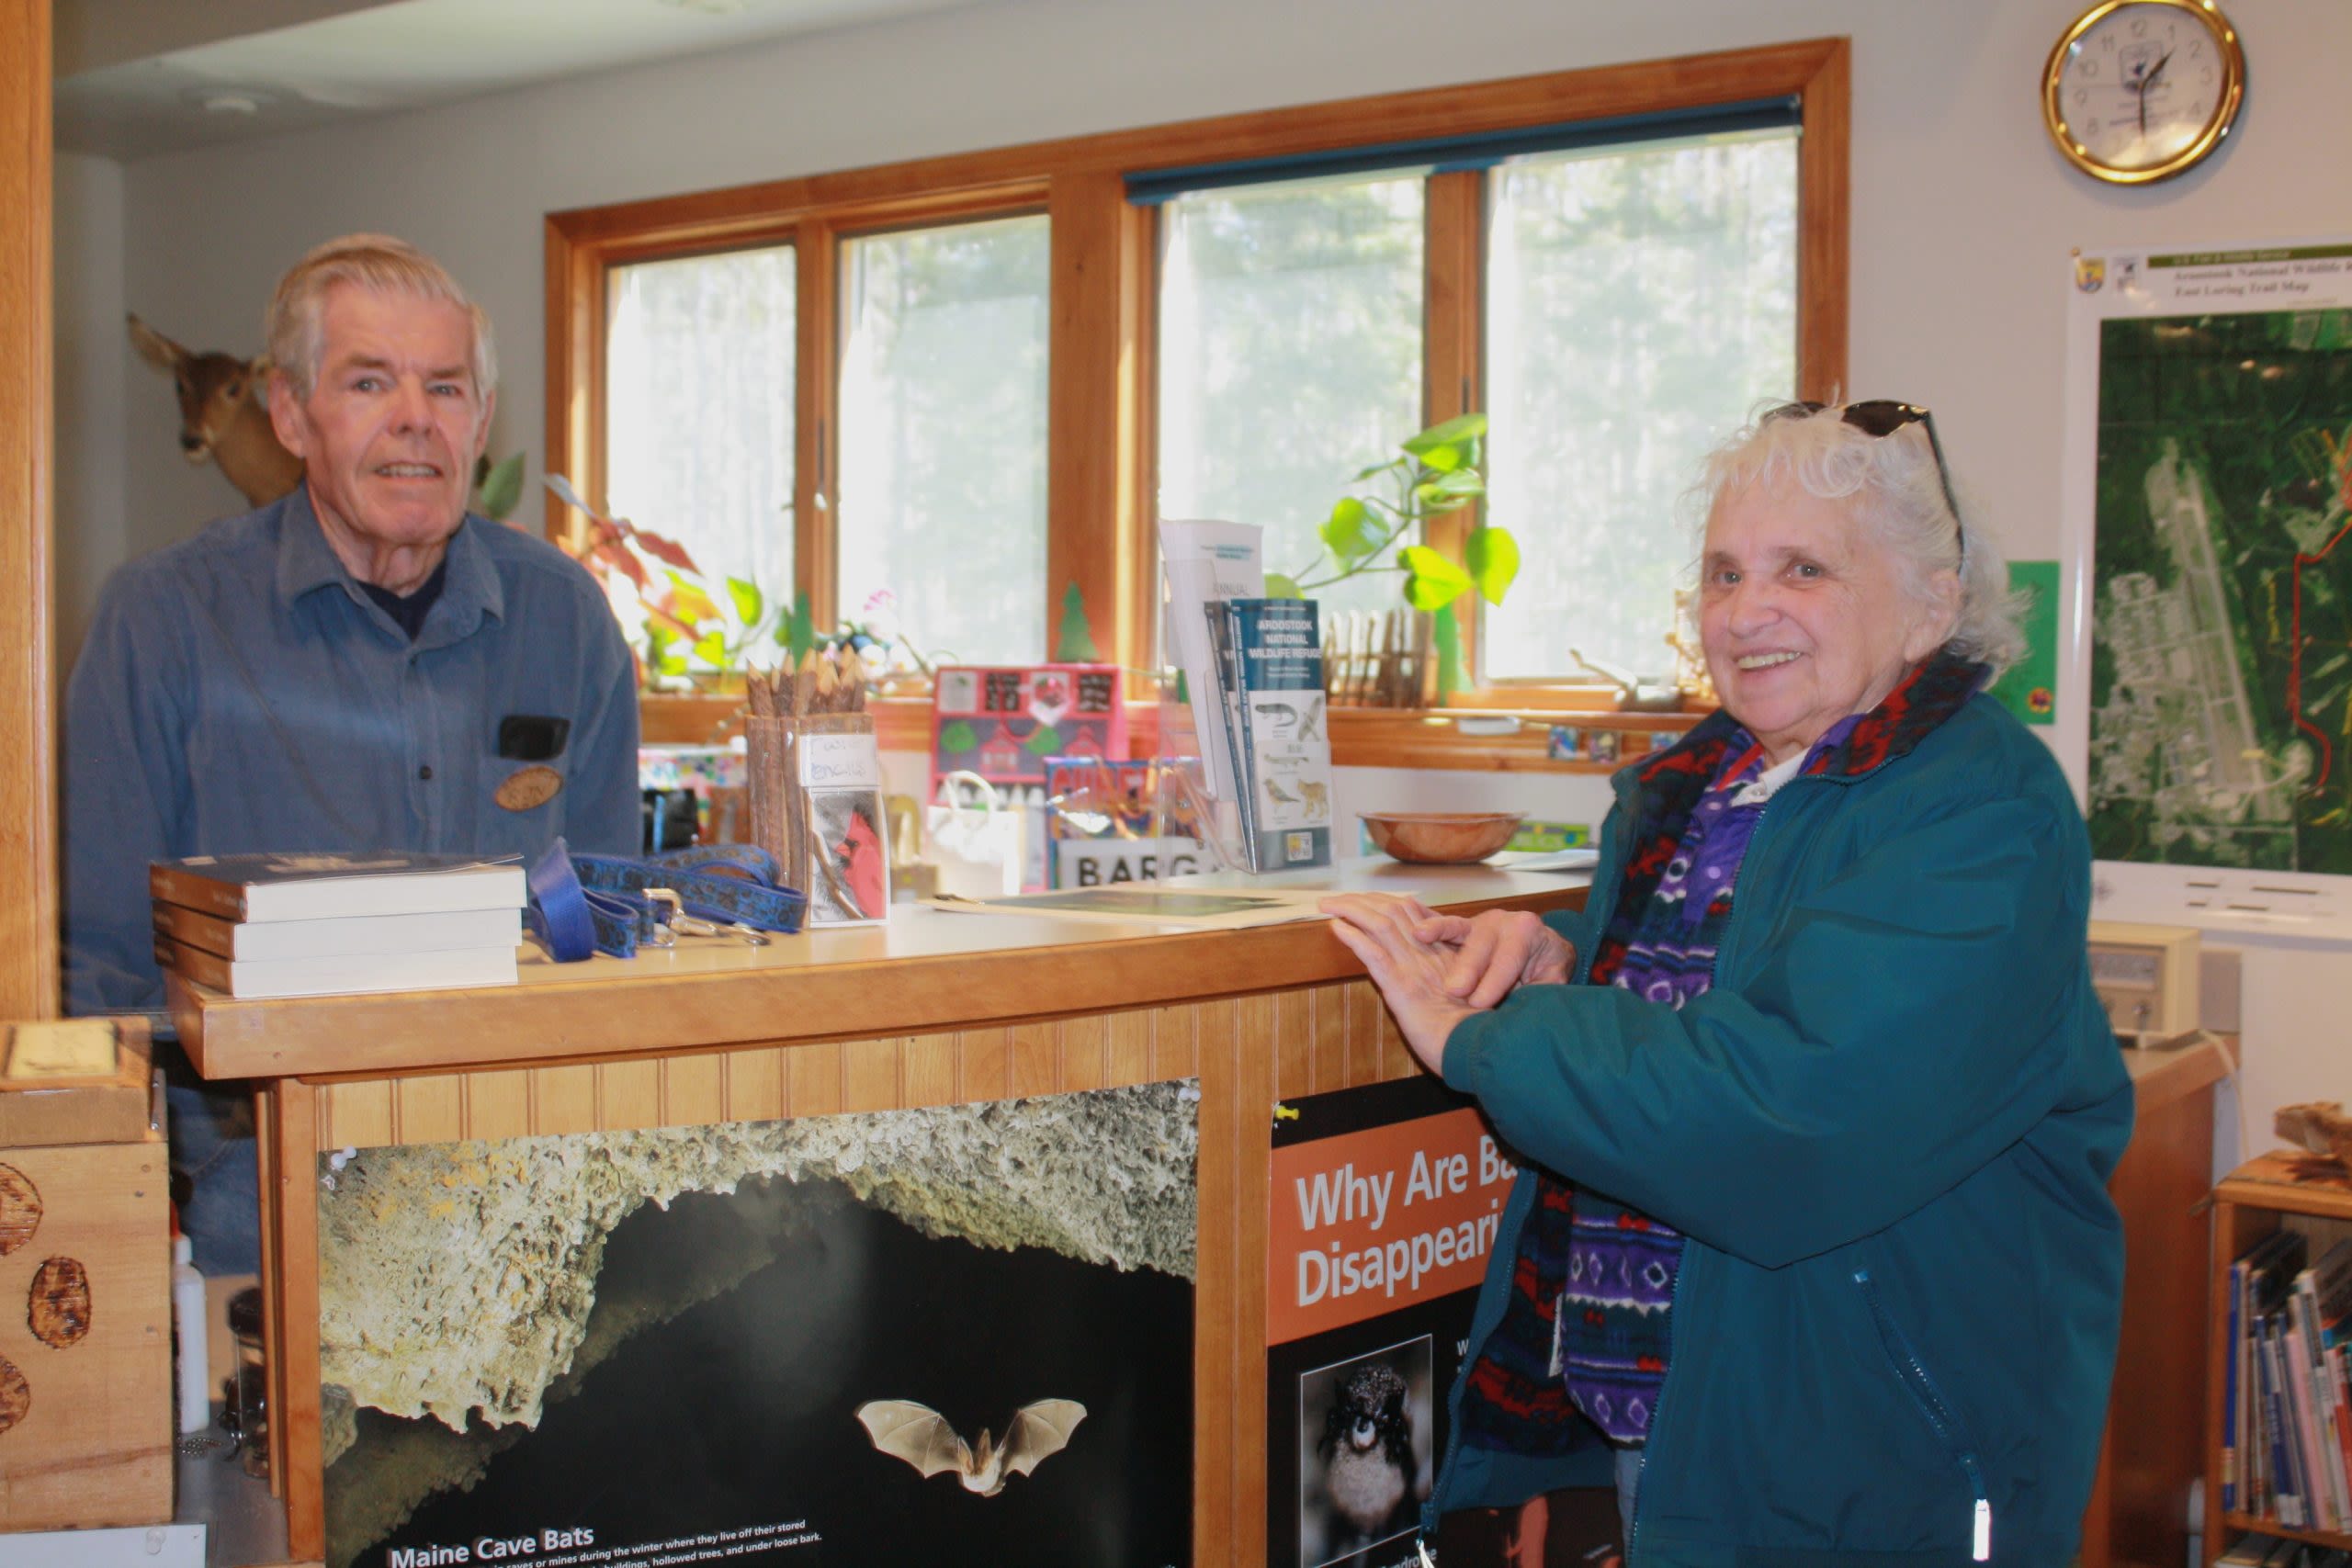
[
  {"x": 1109, "y": 822},
  {"x": 1002, "y": 721},
  {"x": 840, "y": 778}
]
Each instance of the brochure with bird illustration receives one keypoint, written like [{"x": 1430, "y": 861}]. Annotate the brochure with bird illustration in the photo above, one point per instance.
[{"x": 1276, "y": 717}]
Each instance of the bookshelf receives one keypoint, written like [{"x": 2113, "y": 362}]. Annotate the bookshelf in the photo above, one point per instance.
[{"x": 2283, "y": 1188}]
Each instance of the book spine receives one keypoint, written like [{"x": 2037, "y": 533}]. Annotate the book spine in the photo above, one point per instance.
[
  {"x": 2254, "y": 1456},
  {"x": 2323, "y": 1447},
  {"x": 2262, "y": 1495},
  {"x": 174, "y": 884},
  {"x": 2327, "y": 1458},
  {"x": 2288, "y": 1474},
  {"x": 194, "y": 964},
  {"x": 195, "y": 928},
  {"x": 2230, "y": 1394},
  {"x": 2332, "y": 1391},
  {"x": 2333, "y": 1282}
]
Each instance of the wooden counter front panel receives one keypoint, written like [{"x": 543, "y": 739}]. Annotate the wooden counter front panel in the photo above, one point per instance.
[
  {"x": 1319, "y": 1038},
  {"x": 1247, "y": 1052}
]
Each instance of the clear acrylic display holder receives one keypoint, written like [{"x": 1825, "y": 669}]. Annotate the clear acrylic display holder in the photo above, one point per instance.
[{"x": 1185, "y": 786}]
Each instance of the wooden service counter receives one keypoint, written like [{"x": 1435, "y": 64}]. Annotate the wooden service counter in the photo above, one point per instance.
[
  {"x": 932, "y": 1010},
  {"x": 940, "y": 1010}
]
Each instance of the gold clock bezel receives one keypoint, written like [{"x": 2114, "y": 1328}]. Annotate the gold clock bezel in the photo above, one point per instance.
[{"x": 2232, "y": 54}]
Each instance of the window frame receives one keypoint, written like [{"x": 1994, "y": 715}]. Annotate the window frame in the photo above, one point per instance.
[{"x": 1101, "y": 461}]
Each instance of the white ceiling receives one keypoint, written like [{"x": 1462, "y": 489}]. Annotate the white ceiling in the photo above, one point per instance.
[{"x": 137, "y": 77}]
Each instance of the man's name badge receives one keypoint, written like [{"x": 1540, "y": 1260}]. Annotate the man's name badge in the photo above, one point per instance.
[{"x": 527, "y": 789}]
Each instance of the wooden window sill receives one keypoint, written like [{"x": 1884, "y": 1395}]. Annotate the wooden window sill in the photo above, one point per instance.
[{"x": 1361, "y": 737}]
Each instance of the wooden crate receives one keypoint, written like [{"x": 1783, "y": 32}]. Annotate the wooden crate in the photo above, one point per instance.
[
  {"x": 114, "y": 1103},
  {"x": 85, "y": 1324}
]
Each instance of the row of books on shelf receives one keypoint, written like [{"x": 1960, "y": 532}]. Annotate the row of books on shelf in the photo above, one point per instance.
[
  {"x": 318, "y": 924},
  {"x": 2287, "y": 1403},
  {"x": 2275, "y": 1551}
]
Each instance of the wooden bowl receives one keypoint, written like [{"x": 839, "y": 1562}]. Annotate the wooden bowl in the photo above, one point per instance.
[{"x": 1441, "y": 838}]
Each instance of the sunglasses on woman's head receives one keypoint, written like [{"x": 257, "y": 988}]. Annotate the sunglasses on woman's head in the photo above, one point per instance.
[{"x": 1883, "y": 416}]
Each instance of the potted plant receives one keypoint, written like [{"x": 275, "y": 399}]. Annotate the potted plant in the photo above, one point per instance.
[
  {"x": 694, "y": 633},
  {"x": 1435, "y": 474}
]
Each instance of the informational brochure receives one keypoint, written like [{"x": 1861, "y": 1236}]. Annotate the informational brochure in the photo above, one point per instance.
[
  {"x": 1280, "y": 731},
  {"x": 1150, "y": 904},
  {"x": 1205, "y": 562}
]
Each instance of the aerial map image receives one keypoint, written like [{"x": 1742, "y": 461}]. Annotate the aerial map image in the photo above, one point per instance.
[{"x": 2221, "y": 724}]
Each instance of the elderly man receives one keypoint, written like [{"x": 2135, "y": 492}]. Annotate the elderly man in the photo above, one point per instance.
[{"x": 359, "y": 665}]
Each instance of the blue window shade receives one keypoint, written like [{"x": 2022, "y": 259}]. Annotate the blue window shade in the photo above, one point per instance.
[{"x": 1483, "y": 150}]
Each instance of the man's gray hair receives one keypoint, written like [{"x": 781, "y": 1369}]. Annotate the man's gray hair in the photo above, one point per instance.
[
  {"x": 1898, "y": 497},
  {"x": 293, "y": 327}
]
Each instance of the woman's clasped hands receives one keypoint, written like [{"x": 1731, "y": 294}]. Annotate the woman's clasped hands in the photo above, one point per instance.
[{"x": 1435, "y": 970}]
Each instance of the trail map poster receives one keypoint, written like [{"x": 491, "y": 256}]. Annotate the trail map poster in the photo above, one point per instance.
[{"x": 2210, "y": 495}]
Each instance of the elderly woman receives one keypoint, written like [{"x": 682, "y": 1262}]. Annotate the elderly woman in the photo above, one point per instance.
[{"x": 1816, "y": 1104}]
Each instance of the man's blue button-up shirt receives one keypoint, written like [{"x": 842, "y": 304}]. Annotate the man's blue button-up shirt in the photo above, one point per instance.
[{"x": 239, "y": 693}]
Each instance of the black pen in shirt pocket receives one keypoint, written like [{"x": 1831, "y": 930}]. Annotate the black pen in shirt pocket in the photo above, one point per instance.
[{"x": 532, "y": 737}]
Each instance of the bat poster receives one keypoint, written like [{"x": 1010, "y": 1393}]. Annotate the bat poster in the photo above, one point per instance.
[
  {"x": 858, "y": 1339},
  {"x": 1364, "y": 1317},
  {"x": 1385, "y": 1205}
]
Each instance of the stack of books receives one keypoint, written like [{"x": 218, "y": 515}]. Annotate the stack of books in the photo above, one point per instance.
[
  {"x": 2287, "y": 1406},
  {"x": 307, "y": 925}
]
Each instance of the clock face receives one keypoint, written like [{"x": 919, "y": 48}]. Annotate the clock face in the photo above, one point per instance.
[{"x": 2143, "y": 88}]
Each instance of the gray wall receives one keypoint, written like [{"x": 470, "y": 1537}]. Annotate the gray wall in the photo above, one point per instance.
[{"x": 1963, "y": 214}]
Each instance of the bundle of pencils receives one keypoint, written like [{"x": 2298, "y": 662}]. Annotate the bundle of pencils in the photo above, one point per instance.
[
  {"x": 828, "y": 681},
  {"x": 815, "y": 710}
]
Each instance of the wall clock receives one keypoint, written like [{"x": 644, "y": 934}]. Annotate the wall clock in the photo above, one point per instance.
[{"x": 2140, "y": 90}]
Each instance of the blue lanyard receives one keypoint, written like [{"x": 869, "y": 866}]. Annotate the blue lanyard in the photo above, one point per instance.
[{"x": 612, "y": 903}]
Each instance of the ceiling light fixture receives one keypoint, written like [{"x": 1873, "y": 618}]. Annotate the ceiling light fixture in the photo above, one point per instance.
[{"x": 231, "y": 103}]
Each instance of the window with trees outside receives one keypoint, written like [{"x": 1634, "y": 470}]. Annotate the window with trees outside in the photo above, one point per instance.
[
  {"x": 943, "y": 443},
  {"x": 698, "y": 416},
  {"x": 1002, "y": 366}
]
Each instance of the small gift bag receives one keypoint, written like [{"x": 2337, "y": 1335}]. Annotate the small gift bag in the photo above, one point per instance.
[
  {"x": 976, "y": 848},
  {"x": 816, "y": 797}
]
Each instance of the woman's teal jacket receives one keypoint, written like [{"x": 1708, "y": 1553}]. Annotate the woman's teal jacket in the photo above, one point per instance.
[{"x": 1886, "y": 1132}]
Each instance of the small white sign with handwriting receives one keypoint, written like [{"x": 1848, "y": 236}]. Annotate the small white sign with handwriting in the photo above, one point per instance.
[{"x": 839, "y": 762}]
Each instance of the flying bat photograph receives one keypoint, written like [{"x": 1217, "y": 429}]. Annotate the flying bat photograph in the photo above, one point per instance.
[{"x": 839, "y": 1340}]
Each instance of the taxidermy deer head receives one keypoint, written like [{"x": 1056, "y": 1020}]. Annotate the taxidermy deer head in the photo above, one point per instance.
[{"x": 224, "y": 415}]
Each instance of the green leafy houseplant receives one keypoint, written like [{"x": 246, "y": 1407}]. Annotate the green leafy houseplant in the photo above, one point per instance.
[
  {"x": 690, "y": 627},
  {"x": 1436, "y": 473}
]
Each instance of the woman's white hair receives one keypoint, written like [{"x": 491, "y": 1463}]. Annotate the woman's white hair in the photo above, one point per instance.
[
  {"x": 1892, "y": 484},
  {"x": 293, "y": 326}
]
